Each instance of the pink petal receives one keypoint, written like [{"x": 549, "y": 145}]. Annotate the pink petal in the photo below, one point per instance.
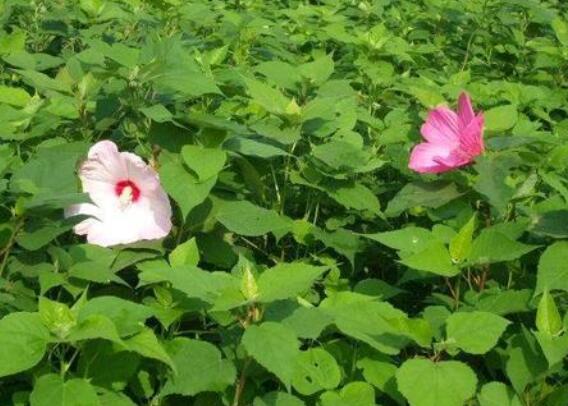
[
  {"x": 140, "y": 173},
  {"x": 471, "y": 141},
  {"x": 427, "y": 158},
  {"x": 465, "y": 110},
  {"x": 441, "y": 127}
]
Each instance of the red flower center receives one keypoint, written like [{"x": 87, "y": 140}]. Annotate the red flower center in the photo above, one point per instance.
[{"x": 128, "y": 189}]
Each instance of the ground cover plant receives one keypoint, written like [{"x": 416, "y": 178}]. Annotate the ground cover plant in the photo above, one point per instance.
[{"x": 323, "y": 230}]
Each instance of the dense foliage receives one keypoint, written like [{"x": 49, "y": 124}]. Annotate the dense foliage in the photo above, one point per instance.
[{"x": 307, "y": 263}]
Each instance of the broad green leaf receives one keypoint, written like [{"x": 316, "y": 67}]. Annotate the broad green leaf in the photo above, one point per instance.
[
  {"x": 460, "y": 246},
  {"x": 354, "y": 393},
  {"x": 254, "y": 147},
  {"x": 200, "y": 368},
  {"x": 501, "y": 118},
  {"x": 43, "y": 82},
  {"x": 409, "y": 239},
  {"x": 243, "y": 217},
  {"x": 381, "y": 373},
  {"x": 127, "y": 316},
  {"x": 560, "y": 27},
  {"x": 548, "y": 319},
  {"x": 427, "y": 383},
  {"x": 554, "y": 348},
  {"x": 205, "y": 162},
  {"x": 319, "y": 70},
  {"x": 275, "y": 347},
  {"x": 341, "y": 155},
  {"x": 281, "y": 73},
  {"x": 552, "y": 268},
  {"x": 272, "y": 100},
  {"x": 355, "y": 196},
  {"x": 158, "y": 113},
  {"x": 23, "y": 341},
  {"x": 186, "y": 84},
  {"x": 315, "y": 370},
  {"x": 435, "y": 259},
  {"x": 552, "y": 224},
  {"x": 183, "y": 187},
  {"x": 278, "y": 399},
  {"x": 493, "y": 246},
  {"x": 92, "y": 327},
  {"x": 287, "y": 280},
  {"x": 491, "y": 183},
  {"x": 52, "y": 390},
  {"x": 14, "y": 96},
  {"x": 475, "y": 332},
  {"x": 525, "y": 362},
  {"x": 146, "y": 344},
  {"x": 497, "y": 394},
  {"x": 186, "y": 253},
  {"x": 433, "y": 194}
]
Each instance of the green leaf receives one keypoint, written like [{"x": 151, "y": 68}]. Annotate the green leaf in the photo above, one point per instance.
[
  {"x": 287, "y": 280},
  {"x": 381, "y": 373},
  {"x": 158, "y": 113},
  {"x": 552, "y": 270},
  {"x": 354, "y": 393},
  {"x": 278, "y": 399},
  {"x": 254, "y": 147},
  {"x": 186, "y": 253},
  {"x": 554, "y": 348},
  {"x": 560, "y": 28},
  {"x": 43, "y": 82},
  {"x": 146, "y": 344},
  {"x": 491, "y": 182},
  {"x": 493, "y": 246},
  {"x": 497, "y": 394},
  {"x": 270, "y": 99},
  {"x": 52, "y": 390},
  {"x": 319, "y": 70},
  {"x": 460, "y": 246},
  {"x": 525, "y": 363},
  {"x": 433, "y": 195},
  {"x": 355, "y": 196},
  {"x": 127, "y": 316},
  {"x": 548, "y": 319},
  {"x": 435, "y": 259},
  {"x": 14, "y": 96},
  {"x": 186, "y": 84},
  {"x": 244, "y": 218},
  {"x": 275, "y": 347},
  {"x": 475, "y": 332},
  {"x": 57, "y": 317},
  {"x": 183, "y": 187},
  {"x": 427, "y": 383},
  {"x": 315, "y": 370},
  {"x": 552, "y": 224},
  {"x": 501, "y": 118},
  {"x": 23, "y": 341},
  {"x": 410, "y": 239},
  {"x": 92, "y": 327},
  {"x": 205, "y": 162},
  {"x": 200, "y": 368}
]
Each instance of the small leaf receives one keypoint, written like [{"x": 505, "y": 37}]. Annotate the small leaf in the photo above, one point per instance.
[
  {"x": 146, "y": 344},
  {"x": 158, "y": 113},
  {"x": 548, "y": 319},
  {"x": 552, "y": 270},
  {"x": 186, "y": 253},
  {"x": 244, "y": 218},
  {"x": 435, "y": 259},
  {"x": 498, "y": 394},
  {"x": 460, "y": 246}
]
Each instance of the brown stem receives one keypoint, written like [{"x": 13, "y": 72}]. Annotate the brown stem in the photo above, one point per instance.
[{"x": 241, "y": 383}]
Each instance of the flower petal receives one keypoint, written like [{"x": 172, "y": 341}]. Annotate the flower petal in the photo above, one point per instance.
[
  {"x": 427, "y": 158},
  {"x": 139, "y": 172},
  {"x": 465, "y": 110},
  {"x": 441, "y": 127},
  {"x": 471, "y": 141}
]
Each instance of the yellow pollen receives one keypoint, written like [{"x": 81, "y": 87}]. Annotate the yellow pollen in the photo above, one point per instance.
[{"x": 126, "y": 196}]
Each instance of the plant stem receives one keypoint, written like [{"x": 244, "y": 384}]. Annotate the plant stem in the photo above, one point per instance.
[{"x": 241, "y": 383}]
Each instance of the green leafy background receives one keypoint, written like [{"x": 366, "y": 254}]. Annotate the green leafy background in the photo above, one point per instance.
[{"x": 307, "y": 264}]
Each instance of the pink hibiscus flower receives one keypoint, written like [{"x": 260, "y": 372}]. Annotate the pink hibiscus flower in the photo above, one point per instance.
[
  {"x": 452, "y": 140},
  {"x": 128, "y": 202}
]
